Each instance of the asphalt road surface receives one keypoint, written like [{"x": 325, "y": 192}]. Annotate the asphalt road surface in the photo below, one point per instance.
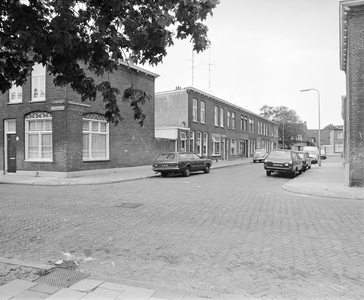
[{"x": 233, "y": 232}]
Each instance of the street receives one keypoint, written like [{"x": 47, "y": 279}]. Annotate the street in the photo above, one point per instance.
[{"x": 232, "y": 231}]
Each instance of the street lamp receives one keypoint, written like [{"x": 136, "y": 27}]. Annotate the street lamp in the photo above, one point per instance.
[{"x": 319, "y": 133}]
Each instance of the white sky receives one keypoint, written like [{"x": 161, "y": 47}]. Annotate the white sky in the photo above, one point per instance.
[{"x": 265, "y": 52}]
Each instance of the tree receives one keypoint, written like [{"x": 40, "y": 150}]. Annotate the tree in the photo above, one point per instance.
[
  {"x": 72, "y": 37},
  {"x": 290, "y": 124},
  {"x": 329, "y": 127}
]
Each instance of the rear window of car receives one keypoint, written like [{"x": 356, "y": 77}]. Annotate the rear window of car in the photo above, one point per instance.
[
  {"x": 280, "y": 154},
  {"x": 167, "y": 156}
]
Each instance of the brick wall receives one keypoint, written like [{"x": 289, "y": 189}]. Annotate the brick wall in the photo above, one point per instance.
[{"x": 355, "y": 95}]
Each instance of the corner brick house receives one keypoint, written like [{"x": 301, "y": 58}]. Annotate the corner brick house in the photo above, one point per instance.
[
  {"x": 209, "y": 126},
  {"x": 49, "y": 129},
  {"x": 352, "y": 63}
]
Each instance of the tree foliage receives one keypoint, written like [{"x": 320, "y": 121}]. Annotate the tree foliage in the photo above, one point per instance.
[
  {"x": 67, "y": 35},
  {"x": 290, "y": 124}
]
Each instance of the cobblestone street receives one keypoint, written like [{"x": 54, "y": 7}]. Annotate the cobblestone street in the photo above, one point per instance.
[{"x": 233, "y": 231}]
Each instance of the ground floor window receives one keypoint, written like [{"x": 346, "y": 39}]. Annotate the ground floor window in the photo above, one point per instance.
[
  {"x": 205, "y": 143},
  {"x": 38, "y": 137},
  {"x": 241, "y": 147},
  {"x": 95, "y": 134},
  {"x": 198, "y": 143},
  {"x": 216, "y": 146},
  {"x": 192, "y": 141},
  {"x": 183, "y": 140}
]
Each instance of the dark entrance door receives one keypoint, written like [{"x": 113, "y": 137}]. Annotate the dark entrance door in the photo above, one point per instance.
[{"x": 11, "y": 139}]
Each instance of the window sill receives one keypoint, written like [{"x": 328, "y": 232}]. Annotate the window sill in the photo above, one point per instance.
[
  {"x": 19, "y": 102},
  {"x": 96, "y": 160},
  {"x": 38, "y": 161},
  {"x": 37, "y": 101}
]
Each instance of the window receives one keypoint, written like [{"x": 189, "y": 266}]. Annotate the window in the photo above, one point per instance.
[
  {"x": 95, "y": 132},
  {"x": 15, "y": 94},
  {"x": 38, "y": 82},
  {"x": 221, "y": 117},
  {"x": 216, "y": 144},
  {"x": 194, "y": 110},
  {"x": 299, "y": 137},
  {"x": 245, "y": 123},
  {"x": 241, "y": 147},
  {"x": 228, "y": 119},
  {"x": 251, "y": 123},
  {"x": 241, "y": 122},
  {"x": 202, "y": 112},
  {"x": 205, "y": 143},
  {"x": 233, "y": 146},
  {"x": 192, "y": 141},
  {"x": 340, "y": 135},
  {"x": 216, "y": 116},
  {"x": 233, "y": 120},
  {"x": 198, "y": 143},
  {"x": 38, "y": 137},
  {"x": 183, "y": 139}
]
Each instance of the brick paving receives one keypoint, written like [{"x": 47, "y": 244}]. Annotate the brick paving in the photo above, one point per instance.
[{"x": 232, "y": 232}]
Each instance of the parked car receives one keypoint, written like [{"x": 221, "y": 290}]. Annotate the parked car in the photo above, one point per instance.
[
  {"x": 260, "y": 155},
  {"x": 313, "y": 152},
  {"x": 306, "y": 160},
  {"x": 283, "y": 161},
  {"x": 180, "y": 162}
]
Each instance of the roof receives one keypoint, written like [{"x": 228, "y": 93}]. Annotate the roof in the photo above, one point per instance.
[
  {"x": 188, "y": 89},
  {"x": 138, "y": 69},
  {"x": 345, "y": 7}
]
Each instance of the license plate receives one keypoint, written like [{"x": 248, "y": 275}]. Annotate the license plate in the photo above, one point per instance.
[
  {"x": 164, "y": 165},
  {"x": 277, "y": 165}
]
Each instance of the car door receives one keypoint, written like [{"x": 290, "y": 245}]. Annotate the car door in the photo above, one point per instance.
[{"x": 199, "y": 163}]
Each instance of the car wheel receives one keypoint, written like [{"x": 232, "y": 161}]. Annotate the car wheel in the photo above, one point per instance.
[
  {"x": 207, "y": 169},
  {"x": 186, "y": 172},
  {"x": 253, "y": 161},
  {"x": 268, "y": 173},
  {"x": 300, "y": 172},
  {"x": 164, "y": 174}
]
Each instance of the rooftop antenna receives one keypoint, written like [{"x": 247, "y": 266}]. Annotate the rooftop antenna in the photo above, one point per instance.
[{"x": 193, "y": 66}]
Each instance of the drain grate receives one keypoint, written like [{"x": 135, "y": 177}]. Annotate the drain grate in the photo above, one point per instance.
[
  {"x": 61, "y": 278},
  {"x": 129, "y": 205}
]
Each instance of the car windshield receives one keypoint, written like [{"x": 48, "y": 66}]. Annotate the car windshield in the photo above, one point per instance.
[
  {"x": 167, "y": 156},
  {"x": 280, "y": 154}
]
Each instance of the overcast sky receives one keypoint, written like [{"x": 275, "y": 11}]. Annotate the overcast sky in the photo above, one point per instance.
[{"x": 265, "y": 52}]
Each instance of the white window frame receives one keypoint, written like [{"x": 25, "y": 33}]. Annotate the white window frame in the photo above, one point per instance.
[
  {"x": 233, "y": 147},
  {"x": 38, "y": 80},
  {"x": 183, "y": 140},
  {"x": 205, "y": 143},
  {"x": 228, "y": 119},
  {"x": 194, "y": 110},
  {"x": 233, "y": 120},
  {"x": 216, "y": 116},
  {"x": 222, "y": 117},
  {"x": 41, "y": 121},
  {"x": 216, "y": 146},
  {"x": 241, "y": 147},
  {"x": 101, "y": 129},
  {"x": 192, "y": 141},
  {"x": 17, "y": 91},
  {"x": 199, "y": 143},
  {"x": 202, "y": 112}
]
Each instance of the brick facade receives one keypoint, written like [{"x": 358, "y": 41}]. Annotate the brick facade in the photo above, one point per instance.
[
  {"x": 225, "y": 140},
  {"x": 129, "y": 144},
  {"x": 352, "y": 63}
]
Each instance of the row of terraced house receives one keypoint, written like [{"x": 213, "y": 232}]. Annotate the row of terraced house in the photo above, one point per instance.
[{"x": 48, "y": 130}]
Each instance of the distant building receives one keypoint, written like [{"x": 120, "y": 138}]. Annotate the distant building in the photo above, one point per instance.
[
  {"x": 352, "y": 63},
  {"x": 209, "y": 126}
]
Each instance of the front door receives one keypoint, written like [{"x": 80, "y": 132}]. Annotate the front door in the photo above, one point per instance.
[{"x": 11, "y": 151}]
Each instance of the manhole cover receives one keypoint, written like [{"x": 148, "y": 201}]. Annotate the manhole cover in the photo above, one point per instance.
[
  {"x": 129, "y": 205},
  {"x": 61, "y": 278}
]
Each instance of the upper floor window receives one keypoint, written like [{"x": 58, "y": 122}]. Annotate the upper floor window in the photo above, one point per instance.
[
  {"x": 340, "y": 135},
  {"x": 221, "y": 117},
  {"x": 203, "y": 112},
  {"x": 216, "y": 116},
  {"x": 228, "y": 120},
  {"x": 251, "y": 121},
  {"x": 95, "y": 136},
  {"x": 38, "y": 136},
  {"x": 194, "y": 110},
  {"x": 15, "y": 94},
  {"x": 38, "y": 82}
]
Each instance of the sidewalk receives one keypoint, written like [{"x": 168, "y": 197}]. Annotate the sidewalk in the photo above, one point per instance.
[{"x": 326, "y": 180}]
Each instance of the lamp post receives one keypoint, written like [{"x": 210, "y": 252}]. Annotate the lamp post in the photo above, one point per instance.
[{"x": 319, "y": 132}]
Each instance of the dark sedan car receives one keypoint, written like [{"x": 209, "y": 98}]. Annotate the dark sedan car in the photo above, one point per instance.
[
  {"x": 283, "y": 161},
  {"x": 180, "y": 162}
]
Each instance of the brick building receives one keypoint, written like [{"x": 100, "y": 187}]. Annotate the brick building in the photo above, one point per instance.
[
  {"x": 199, "y": 122},
  {"x": 45, "y": 128},
  {"x": 352, "y": 63}
]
